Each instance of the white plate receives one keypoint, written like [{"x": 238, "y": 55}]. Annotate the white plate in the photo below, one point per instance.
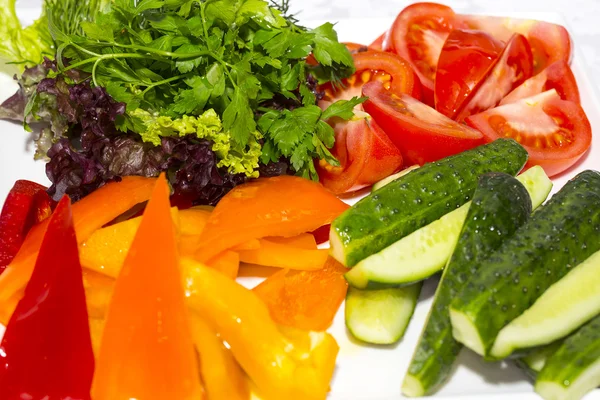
[{"x": 364, "y": 372}]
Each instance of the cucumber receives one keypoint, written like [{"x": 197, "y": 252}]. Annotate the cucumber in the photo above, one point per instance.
[
  {"x": 574, "y": 369},
  {"x": 426, "y": 251},
  {"x": 417, "y": 199},
  {"x": 487, "y": 225},
  {"x": 533, "y": 362},
  {"x": 380, "y": 316},
  {"x": 391, "y": 178},
  {"x": 559, "y": 235},
  {"x": 564, "y": 307}
]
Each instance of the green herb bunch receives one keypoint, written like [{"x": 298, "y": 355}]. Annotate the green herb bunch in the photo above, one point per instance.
[{"x": 180, "y": 58}]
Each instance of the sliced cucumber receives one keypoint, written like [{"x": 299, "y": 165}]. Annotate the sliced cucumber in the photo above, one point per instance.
[
  {"x": 427, "y": 250},
  {"x": 574, "y": 369},
  {"x": 392, "y": 178},
  {"x": 559, "y": 235},
  {"x": 417, "y": 199},
  {"x": 380, "y": 316},
  {"x": 564, "y": 307},
  {"x": 533, "y": 362},
  {"x": 487, "y": 225}
]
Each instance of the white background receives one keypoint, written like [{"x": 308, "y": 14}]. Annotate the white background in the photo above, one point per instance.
[{"x": 376, "y": 373}]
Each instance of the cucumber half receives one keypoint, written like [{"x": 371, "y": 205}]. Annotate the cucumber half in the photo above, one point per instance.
[
  {"x": 393, "y": 177},
  {"x": 380, "y": 316},
  {"x": 417, "y": 199},
  {"x": 487, "y": 225},
  {"x": 559, "y": 235},
  {"x": 564, "y": 307},
  {"x": 427, "y": 250},
  {"x": 574, "y": 369}
]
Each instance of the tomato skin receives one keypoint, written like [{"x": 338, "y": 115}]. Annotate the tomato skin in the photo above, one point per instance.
[
  {"x": 512, "y": 69},
  {"x": 556, "y": 133},
  {"x": 421, "y": 133},
  {"x": 418, "y": 35},
  {"x": 379, "y": 43},
  {"x": 549, "y": 42},
  {"x": 369, "y": 65},
  {"x": 365, "y": 153},
  {"x": 404, "y": 78},
  {"x": 354, "y": 48},
  {"x": 556, "y": 76},
  {"x": 465, "y": 60}
]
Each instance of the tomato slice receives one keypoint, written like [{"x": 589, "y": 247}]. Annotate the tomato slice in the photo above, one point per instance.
[
  {"x": 365, "y": 153},
  {"x": 421, "y": 133},
  {"x": 391, "y": 69},
  {"x": 556, "y": 76},
  {"x": 418, "y": 35},
  {"x": 354, "y": 48},
  {"x": 555, "y": 132},
  {"x": 512, "y": 69},
  {"x": 379, "y": 43},
  {"x": 549, "y": 42},
  {"x": 465, "y": 60}
]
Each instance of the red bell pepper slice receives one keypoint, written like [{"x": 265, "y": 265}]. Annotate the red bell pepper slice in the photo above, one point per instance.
[
  {"x": 46, "y": 352},
  {"x": 27, "y": 204},
  {"x": 89, "y": 214}
]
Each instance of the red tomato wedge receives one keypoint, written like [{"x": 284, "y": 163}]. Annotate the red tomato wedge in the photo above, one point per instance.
[
  {"x": 556, "y": 76},
  {"x": 512, "y": 69},
  {"x": 549, "y": 42},
  {"x": 365, "y": 153},
  {"x": 421, "y": 133},
  {"x": 555, "y": 132},
  {"x": 354, "y": 48},
  {"x": 465, "y": 60},
  {"x": 391, "y": 69},
  {"x": 379, "y": 43},
  {"x": 418, "y": 35}
]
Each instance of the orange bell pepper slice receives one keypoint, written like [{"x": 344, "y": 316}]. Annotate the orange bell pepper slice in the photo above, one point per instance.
[
  {"x": 305, "y": 299},
  {"x": 283, "y": 364},
  {"x": 303, "y": 241},
  {"x": 193, "y": 220},
  {"x": 222, "y": 376},
  {"x": 272, "y": 254},
  {"x": 89, "y": 214},
  {"x": 251, "y": 244},
  {"x": 146, "y": 349},
  {"x": 280, "y": 206},
  {"x": 256, "y": 271},
  {"x": 228, "y": 263},
  {"x": 106, "y": 249},
  {"x": 99, "y": 289}
]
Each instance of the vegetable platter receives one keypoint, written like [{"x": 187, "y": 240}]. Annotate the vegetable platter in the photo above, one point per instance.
[{"x": 374, "y": 372}]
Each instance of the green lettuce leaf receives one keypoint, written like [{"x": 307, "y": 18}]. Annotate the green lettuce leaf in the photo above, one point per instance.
[{"x": 25, "y": 47}]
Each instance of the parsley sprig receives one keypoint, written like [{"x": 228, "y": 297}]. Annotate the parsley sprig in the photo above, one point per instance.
[{"x": 180, "y": 58}]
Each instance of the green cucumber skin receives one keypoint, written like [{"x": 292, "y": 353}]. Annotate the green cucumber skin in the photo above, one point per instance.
[
  {"x": 577, "y": 352},
  {"x": 559, "y": 235},
  {"x": 530, "y": 363},
  {"x": 500, "y": 205},
  {"x": 422, "y": 196}
]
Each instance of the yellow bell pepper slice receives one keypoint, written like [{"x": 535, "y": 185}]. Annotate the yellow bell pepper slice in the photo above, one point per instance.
[
  {"x": 222, "y": 376},
  {"x": 283, "y": 363}
]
